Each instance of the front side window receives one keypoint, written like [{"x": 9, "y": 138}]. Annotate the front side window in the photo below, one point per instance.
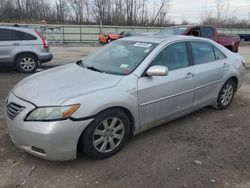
[
  {"x": 202, "y": 52},
  {"x": 207, "y": 32},
  {"x": 173, "y": 56},
  {"x": 119, "y": 57},
  {"x": 195, "y": 32}
]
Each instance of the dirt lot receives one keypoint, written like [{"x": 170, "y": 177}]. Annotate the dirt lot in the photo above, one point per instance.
[{"x": 206, "y": 149}]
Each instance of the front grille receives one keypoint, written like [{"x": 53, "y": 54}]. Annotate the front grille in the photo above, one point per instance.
[{"x": 14, "y": 109}]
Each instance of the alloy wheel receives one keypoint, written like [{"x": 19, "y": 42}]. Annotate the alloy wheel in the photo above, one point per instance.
[
  {"x": 227, "y": 94},
  {"x": 108, "y": 135},
  {"x": 27, "y": 63}
]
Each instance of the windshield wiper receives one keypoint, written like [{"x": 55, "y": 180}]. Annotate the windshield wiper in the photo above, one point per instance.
[
  {"x": 80, "y": 63},
  {"x": 93, "y": 68}
]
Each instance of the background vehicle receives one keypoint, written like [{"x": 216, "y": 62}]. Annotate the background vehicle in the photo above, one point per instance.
[
  {"x": 107, "y": 38},
  {"x": 230, "y": 42},
  {"x": 23, "y": 48},
  {"x": 126, "y": 87},
  {"x": 244, "y": 37}
]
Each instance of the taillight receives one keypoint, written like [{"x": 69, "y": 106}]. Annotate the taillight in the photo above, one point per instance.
[{"x": 45, "y": 43}]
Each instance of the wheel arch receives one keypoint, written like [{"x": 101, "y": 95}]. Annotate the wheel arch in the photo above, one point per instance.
[
  {"x": 125, "y": 110},
  {"x": 25, "y": 52},
  {"x": 234, "y": 78}
]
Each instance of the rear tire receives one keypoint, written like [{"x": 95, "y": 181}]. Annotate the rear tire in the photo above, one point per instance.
[
  {"x": 106, "y": 134},
  {"x": 26, "y": 63},
  {"x": 226, "y": 94}
]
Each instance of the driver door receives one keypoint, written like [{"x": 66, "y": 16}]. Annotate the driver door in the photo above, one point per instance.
[{"x": 161, "y": 97}]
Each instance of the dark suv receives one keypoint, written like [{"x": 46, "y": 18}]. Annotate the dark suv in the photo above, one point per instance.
[{"x": 23, "y": 48}]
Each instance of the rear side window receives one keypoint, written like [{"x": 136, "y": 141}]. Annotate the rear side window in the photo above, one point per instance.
[
  {"x": 218, "y": 54},
  {"x": 207, "y": 32},
  {"x": 25, "y": 36},
  {"x": 202, "y": 52},
  {"x": 12, "y": 35},
  {"x": 173, "y": 56}
]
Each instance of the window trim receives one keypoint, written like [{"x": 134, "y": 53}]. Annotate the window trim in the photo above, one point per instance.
[{"x": 190, "y": 58}]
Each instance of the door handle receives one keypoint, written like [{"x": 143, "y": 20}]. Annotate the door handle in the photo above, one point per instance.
[
  {"x": 189, "y": 75},
  {"x": 16, "y": 44},
  {"x": 225, "y": 65}
]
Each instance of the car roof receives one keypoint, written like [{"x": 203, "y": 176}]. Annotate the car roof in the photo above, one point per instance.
[
  {"x": 189, "y": 26},
  {"x": 161, "y": 38},
  {"x": 17, "y": 28}
]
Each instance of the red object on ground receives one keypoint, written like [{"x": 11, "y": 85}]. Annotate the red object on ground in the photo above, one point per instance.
[{"x": 108, "y": 37}]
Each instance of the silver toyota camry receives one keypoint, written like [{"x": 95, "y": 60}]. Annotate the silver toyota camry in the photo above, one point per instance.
[{"x": 126, "y": 87}]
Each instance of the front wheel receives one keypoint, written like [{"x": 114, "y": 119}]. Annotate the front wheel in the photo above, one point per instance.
[
  {"x": 106, "y": 134},
  {"x": 226, "y": 94}
]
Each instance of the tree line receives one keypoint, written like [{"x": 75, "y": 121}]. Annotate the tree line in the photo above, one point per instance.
[
  {"x": 219, "y": 17},
  {"x": 106, "y": 12}
]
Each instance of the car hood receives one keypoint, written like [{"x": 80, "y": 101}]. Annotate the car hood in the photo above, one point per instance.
[{"x": 54, "y": 86}]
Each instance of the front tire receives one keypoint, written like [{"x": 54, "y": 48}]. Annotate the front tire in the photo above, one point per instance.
[
  {"x": 226, "y": 94},
  {"x": 26, "y": 63},
  {"x": 106, "y": 134}
]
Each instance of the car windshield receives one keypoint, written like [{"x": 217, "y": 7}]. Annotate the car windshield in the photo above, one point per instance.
[
  {"x": 173, "y": 31},
  {"x": 119, "y": 57}
]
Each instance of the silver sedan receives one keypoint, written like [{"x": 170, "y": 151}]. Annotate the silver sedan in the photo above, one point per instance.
[{"x": 124, "y": 88}]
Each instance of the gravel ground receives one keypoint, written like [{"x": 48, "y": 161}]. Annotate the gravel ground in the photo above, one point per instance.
[{"x": 206, "y": 149}]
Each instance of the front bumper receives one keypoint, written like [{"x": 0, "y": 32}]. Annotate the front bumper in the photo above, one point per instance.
[{"x": 49, "y": 140}]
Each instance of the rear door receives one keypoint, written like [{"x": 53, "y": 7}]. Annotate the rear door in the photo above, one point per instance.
[{"x": 210, "y": 66}]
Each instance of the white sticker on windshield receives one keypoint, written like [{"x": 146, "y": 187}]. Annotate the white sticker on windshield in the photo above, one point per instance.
[
  {"x": 147, "y": 50},
  {"x": 143, "y": 45},
  {"x": 124, "y": 66}
]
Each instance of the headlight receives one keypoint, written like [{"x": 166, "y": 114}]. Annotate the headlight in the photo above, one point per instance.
[{"x": 52, "y": 113}]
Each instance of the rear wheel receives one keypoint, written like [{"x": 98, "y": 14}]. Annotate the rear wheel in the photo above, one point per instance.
[
  {"x": 226, "y": 94},
  {"x": 26, "y": 63},
  {"x": 106, "y": 135}
]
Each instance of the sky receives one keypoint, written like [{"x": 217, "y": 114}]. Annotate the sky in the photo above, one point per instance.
[{"x": 192, "y": 10}]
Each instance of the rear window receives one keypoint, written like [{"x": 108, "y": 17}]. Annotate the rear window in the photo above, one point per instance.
[{"x": 12, "y": 35}]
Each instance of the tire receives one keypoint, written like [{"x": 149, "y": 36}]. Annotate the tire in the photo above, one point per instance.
[
  {"x": 99, "y": 141},
  {"x": 26, "y": 63},
  {"x": 226, "y": 94}
]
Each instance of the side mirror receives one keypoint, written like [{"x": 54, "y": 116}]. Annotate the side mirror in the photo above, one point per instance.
[{"x": 157, "y": 70}]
